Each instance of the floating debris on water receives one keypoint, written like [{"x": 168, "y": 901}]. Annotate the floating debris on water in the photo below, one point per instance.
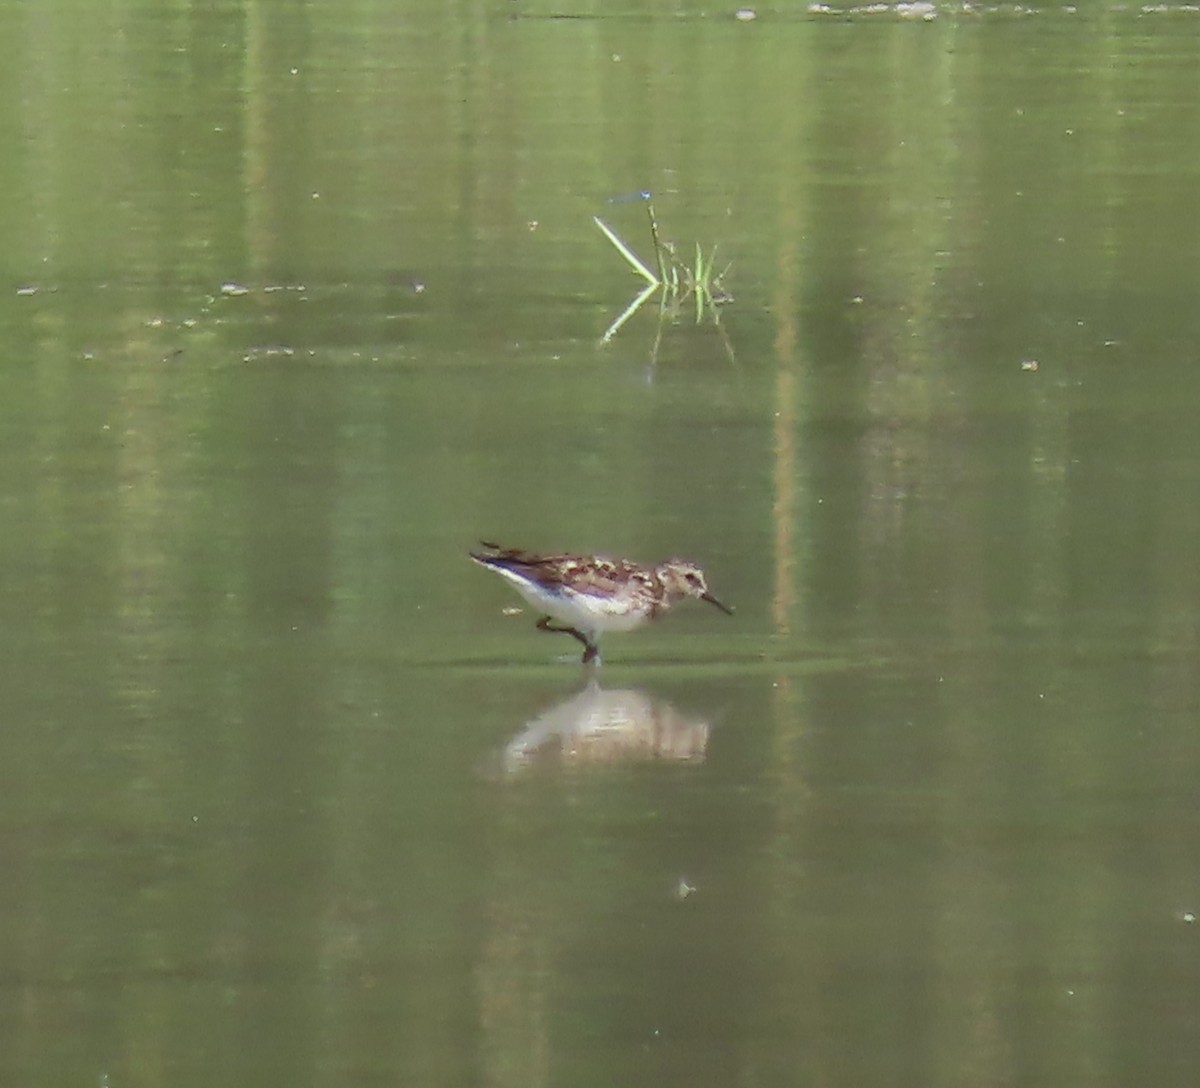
[
  {"x": 270, "y": 351},
  {"x": 924, "y": 11}
]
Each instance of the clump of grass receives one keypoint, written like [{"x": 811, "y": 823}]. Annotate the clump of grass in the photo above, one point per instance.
[
  {"x": 678, "y": 280},
  {"x": 699, "y": 280}
]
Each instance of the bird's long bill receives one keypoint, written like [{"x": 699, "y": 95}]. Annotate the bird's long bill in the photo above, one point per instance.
[{"x": 713, "y": 600}]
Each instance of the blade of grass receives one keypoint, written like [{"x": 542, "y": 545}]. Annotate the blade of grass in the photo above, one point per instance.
[
  {"x": 658, "y": 249},
  {"x": 627, "y": 253}
]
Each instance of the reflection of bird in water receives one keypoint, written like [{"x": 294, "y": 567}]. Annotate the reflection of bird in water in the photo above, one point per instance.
[
  {"x": 592, "y": 594},
  {"x": 609, "y": 726}
]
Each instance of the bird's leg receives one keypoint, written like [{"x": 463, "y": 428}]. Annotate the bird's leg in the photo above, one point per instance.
[{"x": 590, "y": 650}]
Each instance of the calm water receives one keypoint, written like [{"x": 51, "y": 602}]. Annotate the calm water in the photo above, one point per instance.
[{"x": 298, "y": 301}]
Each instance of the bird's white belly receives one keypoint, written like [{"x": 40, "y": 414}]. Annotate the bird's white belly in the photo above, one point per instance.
[{"x": 588, "y": 612}]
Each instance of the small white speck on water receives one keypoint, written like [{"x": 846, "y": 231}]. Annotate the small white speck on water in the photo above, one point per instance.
[
  {"x": 234, "y": 290},
  {"x": 1029, "y": 365},
  {"x": 1187, "y": 916},
  {"x": 683, "y": 889}
]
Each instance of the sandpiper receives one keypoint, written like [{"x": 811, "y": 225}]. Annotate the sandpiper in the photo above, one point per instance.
[{"x": 592, "y": 594}]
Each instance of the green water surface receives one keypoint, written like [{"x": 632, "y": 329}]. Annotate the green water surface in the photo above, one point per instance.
[{"x": 299, "y": 300}]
